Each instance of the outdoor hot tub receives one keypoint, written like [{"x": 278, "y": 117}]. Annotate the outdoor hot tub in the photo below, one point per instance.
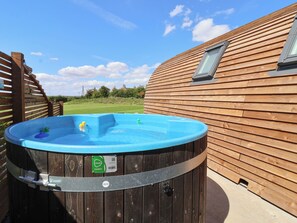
[{"x": 107, "y": 168}]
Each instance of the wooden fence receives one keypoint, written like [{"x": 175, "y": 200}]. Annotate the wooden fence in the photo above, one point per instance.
[{"x": 21, "y": 98}]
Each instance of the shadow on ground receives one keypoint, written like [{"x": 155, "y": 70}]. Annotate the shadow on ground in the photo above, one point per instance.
[{"x": 217, "y": 203}]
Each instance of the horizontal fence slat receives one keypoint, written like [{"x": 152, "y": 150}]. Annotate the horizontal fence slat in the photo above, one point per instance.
[
  {"x": 5, "y": 69},
  {"x": 5, "y": 62},
  {"x": 5, "y": 56},
  {"x": 6, "y": 76}
]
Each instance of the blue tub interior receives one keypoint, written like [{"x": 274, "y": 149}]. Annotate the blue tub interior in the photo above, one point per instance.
[{"x": 105, "y": 133}]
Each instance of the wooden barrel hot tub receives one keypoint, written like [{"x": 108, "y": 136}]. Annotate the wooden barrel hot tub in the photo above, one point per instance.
[{"x": 116, "y": 184}]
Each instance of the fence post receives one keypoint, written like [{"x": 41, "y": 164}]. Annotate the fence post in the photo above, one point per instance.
[
  {"x": 18, "y": 87},
  {"x": 50, "y": 109},
  {"x": 61, "y": 107}
]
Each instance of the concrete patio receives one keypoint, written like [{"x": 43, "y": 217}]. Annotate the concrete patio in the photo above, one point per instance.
[{"x": 232, "y": 203}]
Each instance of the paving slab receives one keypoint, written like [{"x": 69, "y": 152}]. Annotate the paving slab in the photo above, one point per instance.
[{"x": 233, "y": 203}]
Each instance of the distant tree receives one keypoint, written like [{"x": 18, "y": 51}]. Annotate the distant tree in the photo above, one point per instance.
[
  {"x": 104, "y": 92},
  {"x": 114, "y": 92},
  {"x": 90, "y": 92},
  {"x": 130, "y": 93},
  {"x": 124, "y": 92},
  {"x": 140, "y": 92},
  {"x": 95, "y": 93},
  {"x": 58, "y": 98}
]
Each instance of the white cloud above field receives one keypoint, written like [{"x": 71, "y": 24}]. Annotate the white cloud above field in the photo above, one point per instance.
[
  {"x": 111, "y": 70},
  {"x": 69, "y": 80}
]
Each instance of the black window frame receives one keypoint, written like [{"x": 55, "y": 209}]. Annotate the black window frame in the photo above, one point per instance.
[
  {"x": 287, "y": 64},
  {"x": 209, "y": 75},
  {"x": 286, "y": 61}
]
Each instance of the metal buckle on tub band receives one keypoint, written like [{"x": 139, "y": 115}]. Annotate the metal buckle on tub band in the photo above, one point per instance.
[{"x": 30, "y": 177}]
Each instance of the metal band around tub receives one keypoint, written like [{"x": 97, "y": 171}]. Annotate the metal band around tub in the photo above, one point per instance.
[{"x": 107, "y": 183}]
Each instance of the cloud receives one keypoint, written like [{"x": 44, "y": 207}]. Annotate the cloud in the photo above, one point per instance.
[
  {"x": 137, "y": 81},
  {"x": 187, "y": 12},
  {"x": 168, "y": 29},
  {"x": 224, "y": 12},
  {"x": 50, "y": 78},
  {"x": 187, "y": 22},
  {"x": 141, "y": 71},
  {"x": 94, "y": 84},
  {"x": 206, "y": 30},
  {"x": 156, "y": 65},
  {"x": 39, "y": 54},
  {"x": 177, "y": 10},
  {"x": 69, "y": 80},
  {"x": 111, "y": 70},
  {"x": 106, "y": 15},
  {"x": 54, "y": 58}
]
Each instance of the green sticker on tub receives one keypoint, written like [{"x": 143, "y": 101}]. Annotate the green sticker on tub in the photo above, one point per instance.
[{"x": 104, "y": 164}]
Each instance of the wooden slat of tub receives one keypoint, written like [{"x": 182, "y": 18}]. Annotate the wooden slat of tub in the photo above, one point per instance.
[
  {"x": 56, "y": 167},
  {"x": 114, "y": 210},
  {"x": 203, "y": 175},
  {"x": 188, "y": 186},
  {"x": 165, "y": 201},
  {"x": 133, "y": 198},
  {"x": 151, "y": 193},
  {"x": 4, "y": 200},
  {"x": 196, "y": 185},
  {"x": 178, "y": 185},
  {"x": 19, "y": 191},
  {"x": 38, "y": 199},
  {"x": 93, "y": 200},
  {"x": 74, "y": 201},
  {"x": 199, "y": 201},
  {"x": 10, "y": 179}
]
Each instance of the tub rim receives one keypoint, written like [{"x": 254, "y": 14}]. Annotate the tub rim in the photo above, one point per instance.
[{"x": 107, "y": 149}]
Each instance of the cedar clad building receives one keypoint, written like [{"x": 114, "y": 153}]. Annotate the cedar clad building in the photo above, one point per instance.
[{"x": 243, "y": 85}]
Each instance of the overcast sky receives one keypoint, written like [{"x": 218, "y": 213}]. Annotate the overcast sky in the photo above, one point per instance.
[{"x": 90, "y": 43}]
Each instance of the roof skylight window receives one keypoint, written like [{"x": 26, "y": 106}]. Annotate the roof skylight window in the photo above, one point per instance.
[{"x": 210, "y": 62}]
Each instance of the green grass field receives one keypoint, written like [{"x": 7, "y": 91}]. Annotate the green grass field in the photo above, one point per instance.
[{"x": 95, "y": 106}]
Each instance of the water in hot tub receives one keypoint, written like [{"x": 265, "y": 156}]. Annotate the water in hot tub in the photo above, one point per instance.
[{"x": 119, "y": 134}]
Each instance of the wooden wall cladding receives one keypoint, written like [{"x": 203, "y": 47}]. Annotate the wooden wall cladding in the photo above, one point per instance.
[{"x": 252, "y": 116}]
